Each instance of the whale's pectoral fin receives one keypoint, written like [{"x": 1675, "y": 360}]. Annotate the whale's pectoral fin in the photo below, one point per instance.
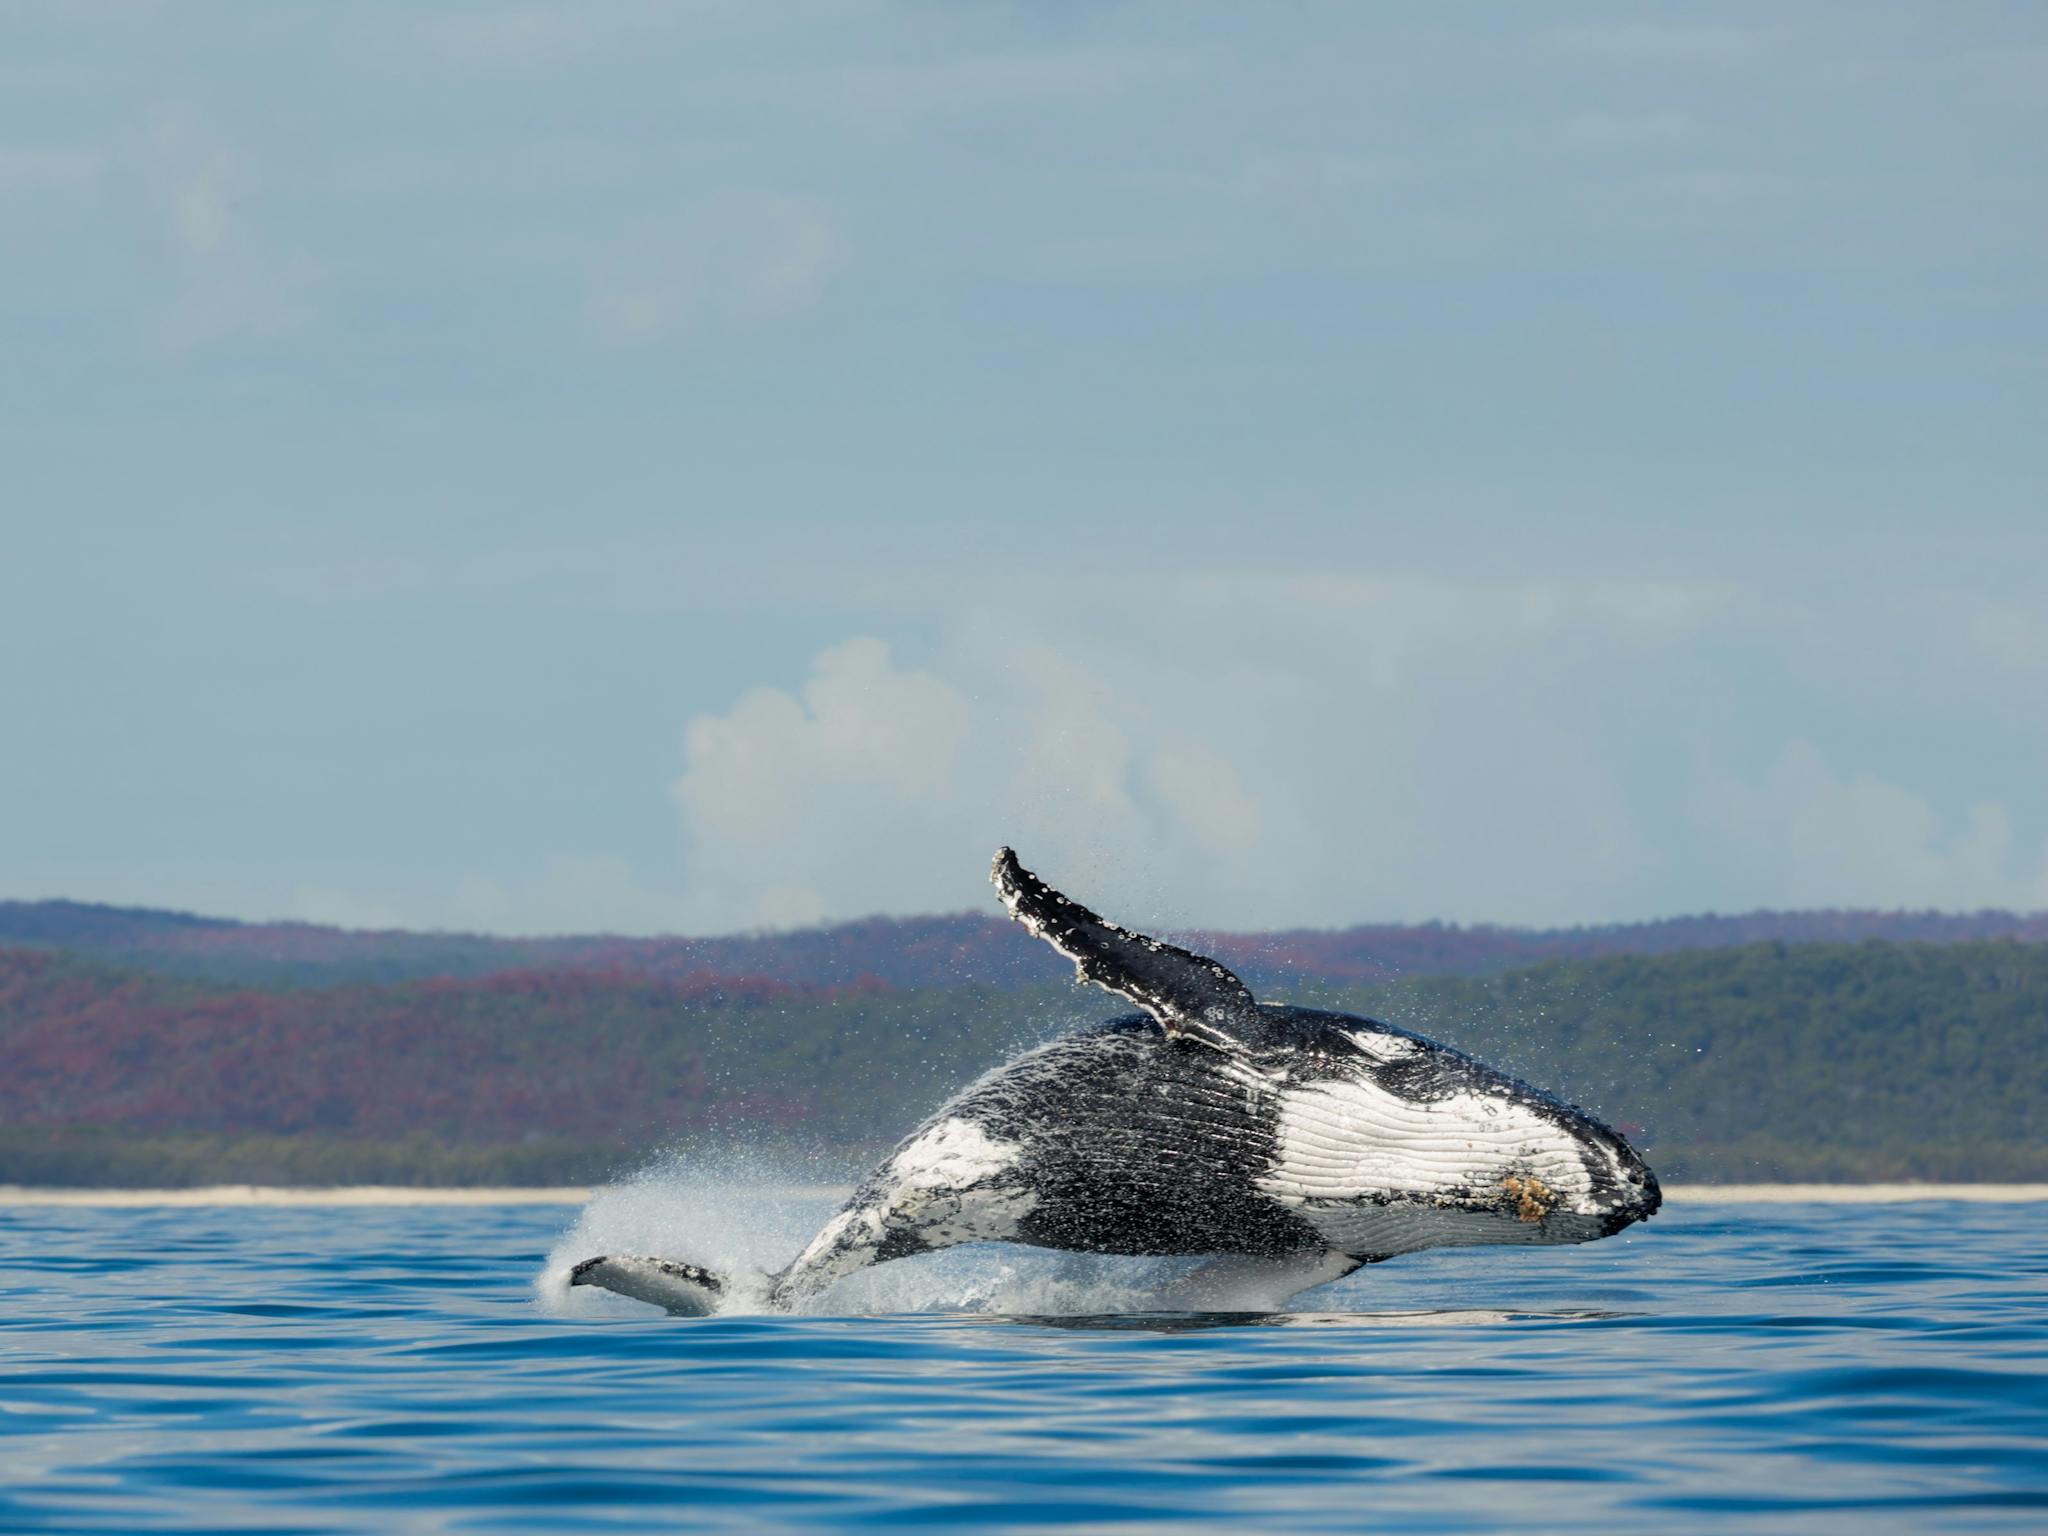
[
  {"x": 1189, "y": 994},
  {"x": 682, "y": 1290}
]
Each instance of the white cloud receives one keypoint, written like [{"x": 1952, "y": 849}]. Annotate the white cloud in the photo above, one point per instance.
[
  {"x": 1270, "y": 747},
  {"x": 1204, "y": 791},
  {"x": 1248, "y": 753},
  {"x": 1261, "y": 749},
  {"x": 1267, "y": 748},
  {"x": 801, "y": 808},
  {"x": 883, "y": 788},
  {"x": 1810, "y": 838}
]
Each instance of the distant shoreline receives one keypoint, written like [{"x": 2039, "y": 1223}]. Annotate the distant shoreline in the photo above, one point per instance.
[{"x": 396, "y": 1195}]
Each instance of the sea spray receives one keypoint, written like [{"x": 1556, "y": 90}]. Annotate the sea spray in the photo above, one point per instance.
[
  {"x": 743, "y": 1213},
  {"x": 746, "y": 1214},
  {"x": 747, "y": 1226}
]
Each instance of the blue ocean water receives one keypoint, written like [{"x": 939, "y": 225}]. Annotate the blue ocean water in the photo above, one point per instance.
[{"x": 1789, "y": 1368}]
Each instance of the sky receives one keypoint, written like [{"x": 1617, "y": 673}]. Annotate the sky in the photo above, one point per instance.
[{"x": 701, "y": 467}]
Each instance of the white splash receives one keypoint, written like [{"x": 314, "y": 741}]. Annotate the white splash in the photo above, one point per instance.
[
  {"x": 740, "y": 1215},
  {"x": 747, "y": 1218}
]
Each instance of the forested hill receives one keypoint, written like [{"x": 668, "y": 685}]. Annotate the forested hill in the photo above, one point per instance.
[
  {"x": 961, "y": 950},
  {"x": 1864, "y": 1061}
]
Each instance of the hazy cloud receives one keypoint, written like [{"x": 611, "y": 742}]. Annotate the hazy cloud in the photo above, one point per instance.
[
  {"x": 197, "y": 175},
  {"x": 592, "y": 893},
  {"x": 337, "y": 907},
  {"x": 1810, "y": 837},
  {"x": 882, "y": 787},
  {"x": 749, "y": 258},
  {"x": 1277, "y": 751},
  {"x": 818, "y": 804},
  {"x": 222, "y": 282},
  {"x": 1304, "y": 748}
]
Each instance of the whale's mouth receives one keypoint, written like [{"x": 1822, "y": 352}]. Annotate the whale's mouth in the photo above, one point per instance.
[{"x": 1636, "y": 1197}]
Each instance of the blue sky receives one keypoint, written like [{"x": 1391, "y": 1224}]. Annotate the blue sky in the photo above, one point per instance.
[{"x": 691, "y": 467}]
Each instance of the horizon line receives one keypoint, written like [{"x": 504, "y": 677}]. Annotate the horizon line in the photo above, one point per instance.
[{"x": 200, "y": 919}]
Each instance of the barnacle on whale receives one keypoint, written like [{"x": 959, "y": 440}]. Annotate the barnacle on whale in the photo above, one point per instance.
[{"x": 1531, "y": 1196}]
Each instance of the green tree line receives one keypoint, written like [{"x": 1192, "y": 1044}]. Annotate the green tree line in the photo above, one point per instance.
[{"x": 1771, "y": 1061}]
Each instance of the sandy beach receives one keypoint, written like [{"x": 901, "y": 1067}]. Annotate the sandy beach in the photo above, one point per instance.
[{"x": 372, "y": 1194}]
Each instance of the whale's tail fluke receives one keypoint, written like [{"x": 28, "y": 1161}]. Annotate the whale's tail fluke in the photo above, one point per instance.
[{"x": 682, "y": 1290}]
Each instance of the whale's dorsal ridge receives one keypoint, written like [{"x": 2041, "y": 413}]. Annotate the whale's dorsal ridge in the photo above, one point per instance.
[{"x": 1189, "y": 994}]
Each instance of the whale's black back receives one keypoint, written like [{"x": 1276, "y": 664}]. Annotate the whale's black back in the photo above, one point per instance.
[{"x": 1137, "y": 1144}]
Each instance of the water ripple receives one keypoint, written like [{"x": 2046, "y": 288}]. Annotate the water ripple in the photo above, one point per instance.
[{"x": 281, "y": 1370}]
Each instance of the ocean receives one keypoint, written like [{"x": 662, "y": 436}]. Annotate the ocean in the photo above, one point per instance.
[{"x": 1789, "y": 1367}]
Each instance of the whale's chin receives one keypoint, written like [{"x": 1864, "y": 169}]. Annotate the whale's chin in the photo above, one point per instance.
[{"x": 1409, "y": 1227}]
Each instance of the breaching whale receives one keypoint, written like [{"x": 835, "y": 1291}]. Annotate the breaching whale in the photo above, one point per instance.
[{"x": 1291, "y": 1144}]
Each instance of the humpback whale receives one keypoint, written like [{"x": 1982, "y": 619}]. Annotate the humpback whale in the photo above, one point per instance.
[{"x": 1291, "y": 1145}]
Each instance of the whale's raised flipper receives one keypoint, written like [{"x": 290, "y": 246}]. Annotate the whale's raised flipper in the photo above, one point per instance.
[
  {"x": 682, "y": 1290},
  {"x": 1189, "y": 994}
]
